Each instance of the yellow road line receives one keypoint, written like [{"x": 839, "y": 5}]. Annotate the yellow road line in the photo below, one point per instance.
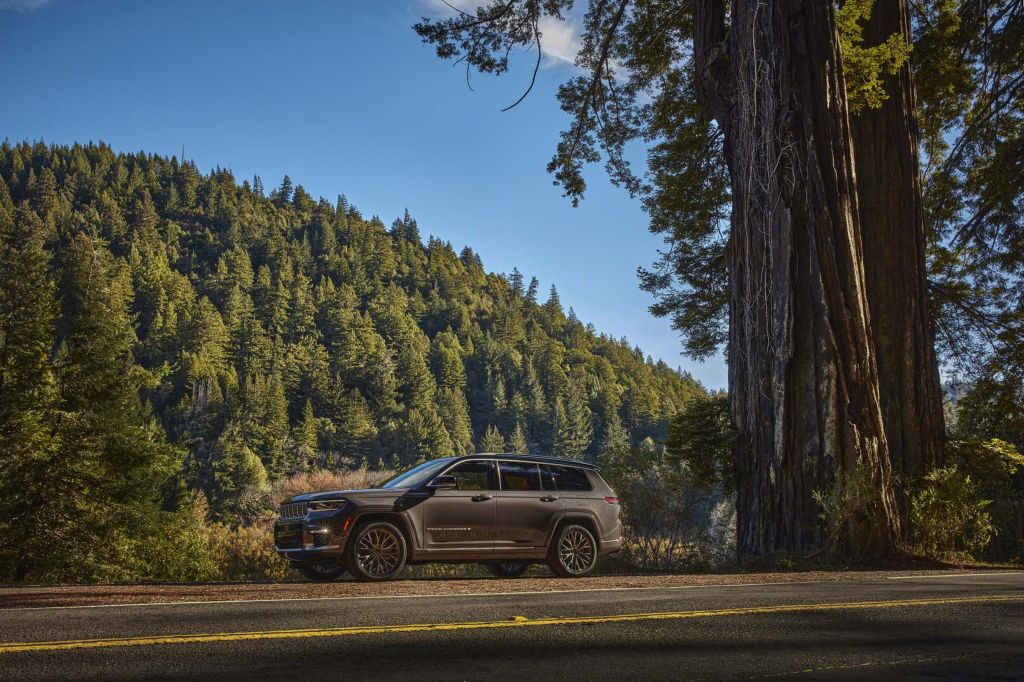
[{"x": 517, "y": 622}]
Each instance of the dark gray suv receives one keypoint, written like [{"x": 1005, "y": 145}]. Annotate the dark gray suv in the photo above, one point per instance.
[{"x": 503, "y": 511}]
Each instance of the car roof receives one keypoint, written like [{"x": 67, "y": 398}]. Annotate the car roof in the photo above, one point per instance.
[{"x": 540, "y": 459}]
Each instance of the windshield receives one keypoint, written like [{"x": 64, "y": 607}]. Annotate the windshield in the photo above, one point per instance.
[{"x": 418, "y": 475}]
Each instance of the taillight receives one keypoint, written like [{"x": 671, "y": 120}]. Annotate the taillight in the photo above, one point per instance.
[{"x": 611, "y": 500}]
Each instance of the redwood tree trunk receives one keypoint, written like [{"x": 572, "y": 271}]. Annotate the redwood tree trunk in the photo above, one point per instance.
[
  {"x": 892, "y": 231},
  {"x": 802, "y": 376}
]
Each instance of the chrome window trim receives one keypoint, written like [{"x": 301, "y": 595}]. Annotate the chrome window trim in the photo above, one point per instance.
[{"x": 497, "y": 471}]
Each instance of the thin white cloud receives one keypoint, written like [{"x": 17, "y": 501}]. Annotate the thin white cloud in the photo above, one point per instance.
[
  {"x": 559, "y": 43},
  {"x": 23, "y": 5},
  {"x": 559, "y": 40}
]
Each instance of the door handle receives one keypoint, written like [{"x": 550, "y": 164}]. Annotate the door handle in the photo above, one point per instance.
[
  {"x": 480, "y": 498},
  {"x": 549, "y": 498}
]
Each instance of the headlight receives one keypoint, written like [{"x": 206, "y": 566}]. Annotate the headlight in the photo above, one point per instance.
[{"x": 327, "y": 505}]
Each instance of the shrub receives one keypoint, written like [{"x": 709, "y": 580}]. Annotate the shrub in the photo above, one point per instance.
[
  {"x": 179, "y": 550},
  {"x": 320, "y": 480},
  {"x": 245, "y": 552},
  {"x": 948, "y": 518},
  {"x": 671, "y": 521}
]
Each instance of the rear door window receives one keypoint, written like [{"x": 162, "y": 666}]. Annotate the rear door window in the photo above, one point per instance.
[
  {"x": 570, "y": 479},
  {"x": 519, "y": 475}
]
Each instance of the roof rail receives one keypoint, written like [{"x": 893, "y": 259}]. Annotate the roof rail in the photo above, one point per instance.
[{"x": 545, "y": 459}]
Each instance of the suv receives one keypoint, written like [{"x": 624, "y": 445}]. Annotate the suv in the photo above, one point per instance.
[{"x": 503, "y": 511}]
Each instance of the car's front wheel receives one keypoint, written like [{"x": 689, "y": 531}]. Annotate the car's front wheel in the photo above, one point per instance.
[
  {"x": 573, "y": 554},
  {"x": 376, "y": 551},
  {"x": 507, "y": 569},
  {"x": 321, "y": 572}
]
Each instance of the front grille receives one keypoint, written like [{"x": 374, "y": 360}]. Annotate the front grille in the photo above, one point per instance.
[{"x": 293, "y": 510}]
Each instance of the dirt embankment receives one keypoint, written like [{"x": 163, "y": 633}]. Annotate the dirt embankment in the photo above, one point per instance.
[{"x": 98, "y": 595}]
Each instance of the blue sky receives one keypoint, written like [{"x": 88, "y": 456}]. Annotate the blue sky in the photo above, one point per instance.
[{"x": 344, "y": 98}]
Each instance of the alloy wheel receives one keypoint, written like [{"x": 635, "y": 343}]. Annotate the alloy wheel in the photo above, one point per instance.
[
  {"x": 576, "y": 551},
  {"x": 379, "y": 552}
]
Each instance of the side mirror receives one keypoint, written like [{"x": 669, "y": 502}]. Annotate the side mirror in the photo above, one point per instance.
[{"x": 443, "y": 483}]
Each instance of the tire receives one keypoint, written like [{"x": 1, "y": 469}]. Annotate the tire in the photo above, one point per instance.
[
  {"x": 507, "y": 569},
  {"x": 573, "y": 554},
  {"x": 321, "y": 573},
  {"x": 376, "y": 551}
]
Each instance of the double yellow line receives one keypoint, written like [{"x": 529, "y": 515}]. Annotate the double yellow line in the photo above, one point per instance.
[{"x": 516, "y": 622}]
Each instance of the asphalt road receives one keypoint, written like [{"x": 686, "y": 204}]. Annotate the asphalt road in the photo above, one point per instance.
[{"x": 962, "y": 626}]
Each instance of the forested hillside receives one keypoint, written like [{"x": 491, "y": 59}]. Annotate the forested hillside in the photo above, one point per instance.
[{"x": 162, "y": 327}]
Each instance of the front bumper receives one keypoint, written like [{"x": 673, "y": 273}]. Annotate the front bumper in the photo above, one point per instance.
[{"x": 317, "y": 537}]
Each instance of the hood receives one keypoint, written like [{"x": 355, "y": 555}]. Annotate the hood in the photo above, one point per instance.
[{"x": 348, "y": 494}]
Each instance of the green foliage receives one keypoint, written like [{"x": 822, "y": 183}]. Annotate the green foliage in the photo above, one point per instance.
[
  {"x": 948, "y": 517},
  {"x": 492, "y": 440},
  {"x": 572, "y": 426},
  {"x": 234, "y": 469},
  {"x": 84, "y": 465},
  {"x": 987, "y": 439},
  {"x": 990, "y": 462},
  {"x": 865, "y": 67},
  {"x": 517, "y": 441},
  {"x": 701, "y": 435}
]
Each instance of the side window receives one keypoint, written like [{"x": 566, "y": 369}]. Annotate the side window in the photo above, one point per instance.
[
  {"x": 476, "y": 475},
  {"x": 570, "y": 479},
  {"x": 519, "y": 476}
]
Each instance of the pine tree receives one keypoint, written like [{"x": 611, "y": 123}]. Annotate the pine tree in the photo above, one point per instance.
[
  {"x": 492, "y": 440},
  {"x": 573, "y": 430},
  {"x": 28, "y": 392},
  {"x": 284, "y": 192},
  {"x": 306, "y": 433},
  {"x": 305, "y": 442},
  {"x": 454, "y": 412},
  {"x": 421, "y": 436},
  {"x": 515, "y": 282},
  {"x": 554, "y": 302},
  {"x": 121, "y": 460},
  {"x": 410, "y": 230},
  {"x": 531, "y": 291},
  {"x": 355, "y": 433},
  {"x": 235, "y": 468},
  {"x": 517, "y": 441}
]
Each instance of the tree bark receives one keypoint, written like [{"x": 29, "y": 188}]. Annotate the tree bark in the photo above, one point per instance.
[
  {"x": 893, "y": 234},
  {"x": 803, "y": 382}
]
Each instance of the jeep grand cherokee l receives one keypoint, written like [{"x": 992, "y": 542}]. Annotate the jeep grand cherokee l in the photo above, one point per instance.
[{"x": 503, "y": 511}]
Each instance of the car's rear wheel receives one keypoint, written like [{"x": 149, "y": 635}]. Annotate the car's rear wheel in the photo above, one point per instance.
[
  {"x": 377, "y": 551},
  {"x": 507, "y": 569},
  {"x": 321, "y": 572},
  {"x": 573, "y": 554}
]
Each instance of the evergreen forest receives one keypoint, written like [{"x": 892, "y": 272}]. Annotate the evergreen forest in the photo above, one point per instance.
[{"x": 166, "y": 333}]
